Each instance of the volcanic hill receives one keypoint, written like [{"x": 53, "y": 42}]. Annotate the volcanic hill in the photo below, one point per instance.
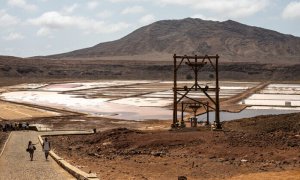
[
  {"x": 233, "y": 41},
  {"x": 246, "y": 53}
]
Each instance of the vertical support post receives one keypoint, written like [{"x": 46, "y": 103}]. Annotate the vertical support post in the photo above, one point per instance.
[
  {"x": 182, "y": 112},
  {"x": 175, "y": 93},
  {"x": 207, "y": 113},
  {"x": 217, "y": 116},
  {"x": 196, "y": 73}
]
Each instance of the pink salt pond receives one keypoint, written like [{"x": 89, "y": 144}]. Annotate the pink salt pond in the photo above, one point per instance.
[{"x": 62, "y": 86}]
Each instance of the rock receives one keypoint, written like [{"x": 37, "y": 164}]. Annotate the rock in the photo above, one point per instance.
[
  {"x": 182, "y": 178},
  {"x": 91, "y": 154},
  {"x": 221, "y": 160},
  {"x": 244, "y": 160},
  {"x": 285, "y": 162},
  {"x": 227, "y": 163},
  {"x": 97, "y": 155},
  {"x": 212, "y": 157},
  {"x": 159, "y": 153},
  {"x": 262, "y": 169},
  {"x": 134, "y": 151}
]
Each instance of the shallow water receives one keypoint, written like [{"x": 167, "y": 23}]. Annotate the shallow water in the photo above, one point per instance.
[{"x": 247, "y": 113}]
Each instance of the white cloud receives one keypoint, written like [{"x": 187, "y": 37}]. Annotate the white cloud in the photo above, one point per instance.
[
  {"x": 104, "y": 14},
  {"x": 292, "y": 10},
  {"x": 133, "y": 10},
  {"x": 203, "y": 17},
  {"x": 121, "y": 1},
  {"x": 70, "y": 9},
  {"x": 228, "y": 8},
  {"x": 13, "y": 36},
  {"x": 92, "y": 4},
  {"x": 22, "y": 4},
  {"x": 7, "y": 20},
  {"x": 54, "y": 20},
  {"x": 147, "y": 19},
  {"x": 44, "y": 32}
]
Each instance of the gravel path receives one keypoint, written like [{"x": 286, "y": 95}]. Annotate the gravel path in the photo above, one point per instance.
[{"x": 15, "y": 162}]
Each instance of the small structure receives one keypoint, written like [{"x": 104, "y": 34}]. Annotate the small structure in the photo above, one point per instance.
[
  {"x": 194, "y": 106},
  {"x": 196, "y": 63}
]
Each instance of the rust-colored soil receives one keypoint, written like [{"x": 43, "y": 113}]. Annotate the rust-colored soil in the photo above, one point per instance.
[{"x": 265, "y": 146}]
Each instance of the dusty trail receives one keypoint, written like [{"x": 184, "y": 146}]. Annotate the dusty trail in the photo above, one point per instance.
[
  {"x": 231, "y": 105},
  {"x": 15, "y": 162}
]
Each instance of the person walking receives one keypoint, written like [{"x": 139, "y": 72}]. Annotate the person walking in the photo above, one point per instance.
[
  {"x": 31, "y": 148},
  {"x": 46, "y": 147}
]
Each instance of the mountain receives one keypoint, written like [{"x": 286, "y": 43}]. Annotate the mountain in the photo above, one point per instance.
[{"x": 233, "y": 41}]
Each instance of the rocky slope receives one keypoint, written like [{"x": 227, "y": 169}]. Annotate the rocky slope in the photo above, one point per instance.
[
  {"x": 233, "y": 41},
  {"x": 20, "y": 69},
  {"x": 252, "y": 145}
]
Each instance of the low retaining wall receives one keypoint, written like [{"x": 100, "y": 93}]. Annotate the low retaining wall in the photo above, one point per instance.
[{"x": 77, "y": 173}]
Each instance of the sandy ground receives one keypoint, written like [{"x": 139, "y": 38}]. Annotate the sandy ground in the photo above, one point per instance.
[
  {"x": 257, "y": 145},
  {"x": 12, "y": 111},
  {"x": 3, "y": 137}
]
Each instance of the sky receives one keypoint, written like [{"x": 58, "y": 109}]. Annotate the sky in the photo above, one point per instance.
[{"x": 43, "y": 27}]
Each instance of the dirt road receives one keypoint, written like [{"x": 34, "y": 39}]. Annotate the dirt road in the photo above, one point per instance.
[{"x": 15, "y": 162}]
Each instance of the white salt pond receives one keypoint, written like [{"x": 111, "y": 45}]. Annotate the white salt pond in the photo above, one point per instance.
[
  {"x": 77, "y": 120},
  {"x": 88, "y": 85},
  {"x": 93, "y": 107},
  {"x": 275, "y": 108},
  {"x": 144, "y": 100},
  {"x": 27, "y": 86},
  {"x": 276, "y": 95},
  {"x": 286, "y": 89}
]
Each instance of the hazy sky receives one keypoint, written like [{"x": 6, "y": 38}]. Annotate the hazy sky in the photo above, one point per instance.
[{"x": 42, "y": 27}]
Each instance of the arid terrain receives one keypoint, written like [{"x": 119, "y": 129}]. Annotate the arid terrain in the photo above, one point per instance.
[
  {"x": 3, "y": 137},
  {"x": 256, "y": 145},
  {"x": 20, "y": 70},
  {"x": 261, "y": 147},
  {"x": 246, "y": 53},
  {"x": 122, "y": 89}
]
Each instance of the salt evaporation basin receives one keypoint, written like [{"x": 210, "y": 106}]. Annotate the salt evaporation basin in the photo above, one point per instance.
[
  {"x": 94, "y": 107},
  {"x": 155, "y": 102},
  {"x": 247, "y": 113},
  {"x": 88, "y": 85}
]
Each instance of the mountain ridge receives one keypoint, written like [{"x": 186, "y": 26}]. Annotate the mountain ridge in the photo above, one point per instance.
[{"x": 233, "y": 41}]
